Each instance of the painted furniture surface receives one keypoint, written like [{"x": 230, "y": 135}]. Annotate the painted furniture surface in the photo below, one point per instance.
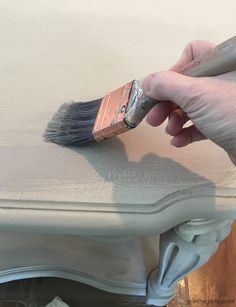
[{"x": 95, "y": 213}]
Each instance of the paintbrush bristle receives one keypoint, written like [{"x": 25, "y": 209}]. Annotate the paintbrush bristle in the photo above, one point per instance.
[{"x": 73, "y": 123}]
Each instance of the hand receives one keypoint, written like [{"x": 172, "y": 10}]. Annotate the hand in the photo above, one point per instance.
[{"x": 209, "y": 103}]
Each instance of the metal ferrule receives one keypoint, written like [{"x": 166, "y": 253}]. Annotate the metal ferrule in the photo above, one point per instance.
[{"x": 139, "y": 105}]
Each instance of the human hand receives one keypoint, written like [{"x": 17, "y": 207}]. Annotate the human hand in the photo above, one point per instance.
[{"x": 209, "y": 102}]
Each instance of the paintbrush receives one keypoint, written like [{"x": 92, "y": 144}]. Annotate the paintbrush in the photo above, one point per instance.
[{"x": 78, "y": 123}]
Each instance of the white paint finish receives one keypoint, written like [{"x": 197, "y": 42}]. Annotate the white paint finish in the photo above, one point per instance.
[
  {"x": 181, "y": 252},
  {"x": 54, "y": 52},
  {"x": 119, "y": 266},
  {"x": 137, "y": 184}
]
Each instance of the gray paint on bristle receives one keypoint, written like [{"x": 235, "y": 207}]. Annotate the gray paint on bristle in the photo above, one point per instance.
[{"x": 73, "y": 123}]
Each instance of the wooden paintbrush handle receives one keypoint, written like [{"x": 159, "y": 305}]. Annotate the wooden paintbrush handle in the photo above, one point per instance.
[{"x": 219, "y": 60}]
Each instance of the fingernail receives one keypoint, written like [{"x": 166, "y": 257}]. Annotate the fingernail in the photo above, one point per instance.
[
  {"x": 172, "y": 143},
  {"x": 146, "y": 85},
  {"x": 148, "y": 120}
]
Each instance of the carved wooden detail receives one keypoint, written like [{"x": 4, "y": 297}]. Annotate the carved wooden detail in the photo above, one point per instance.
[{"x": 182, "y": 250}]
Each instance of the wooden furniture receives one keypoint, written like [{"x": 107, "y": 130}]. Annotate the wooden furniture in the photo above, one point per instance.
[{"x": 94, "y": 214}]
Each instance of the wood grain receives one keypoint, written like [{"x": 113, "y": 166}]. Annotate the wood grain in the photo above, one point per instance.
[{"x": 214, "y": 284}]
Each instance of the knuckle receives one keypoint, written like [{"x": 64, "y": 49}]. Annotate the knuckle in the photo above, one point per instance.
[
  {"x": 164, "y": 77},
  {"x": 159, "y": 84},
  {"x": 197, "y": 44}
]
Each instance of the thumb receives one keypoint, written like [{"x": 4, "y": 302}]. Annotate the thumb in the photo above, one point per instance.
[{"x": 171, "y": 86}]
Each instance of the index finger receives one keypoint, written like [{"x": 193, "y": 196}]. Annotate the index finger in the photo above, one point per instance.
[
  {"x": 158, "y": 114},
  {"x": 192, "y": 50}
]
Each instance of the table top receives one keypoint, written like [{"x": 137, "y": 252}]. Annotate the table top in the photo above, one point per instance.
[{"x": 53, "y": 53}]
